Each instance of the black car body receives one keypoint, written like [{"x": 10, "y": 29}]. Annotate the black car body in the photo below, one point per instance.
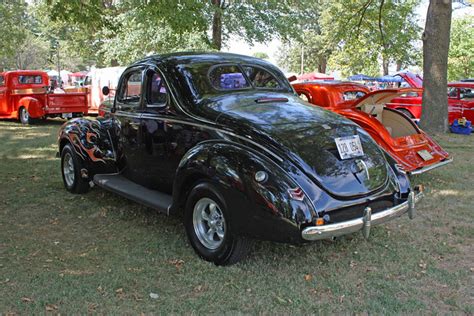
[{"x": 228, "y": 131}]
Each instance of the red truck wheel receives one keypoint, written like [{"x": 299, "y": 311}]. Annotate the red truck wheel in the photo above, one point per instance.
[{"x": 24, "y": 116}]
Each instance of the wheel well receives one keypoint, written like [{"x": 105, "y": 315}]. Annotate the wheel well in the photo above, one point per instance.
[
  {"x": 62, "y": 143},
  {"x": 185, "y": 189}
]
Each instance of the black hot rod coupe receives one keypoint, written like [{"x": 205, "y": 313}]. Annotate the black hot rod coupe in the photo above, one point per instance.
[{"x": 224, "y": 139}]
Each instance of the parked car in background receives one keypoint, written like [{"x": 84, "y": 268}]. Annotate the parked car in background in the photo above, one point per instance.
[
  {"x": 25, "y": 95},
  {"x": 395, "y": 132},
  {"x": 93, "y": 83},
  {"x": 461, "y": 100},
  {"x": 223, "y": 139},
  {"x": 410, "y": 102},
  {"x": 97, "y": 79}
]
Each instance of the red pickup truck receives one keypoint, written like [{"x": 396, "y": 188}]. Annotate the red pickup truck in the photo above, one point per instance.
[
  {"x": 24, "y": 95},
  {"x": 460, "y": 98}
]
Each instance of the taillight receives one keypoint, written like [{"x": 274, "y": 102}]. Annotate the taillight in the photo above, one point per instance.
[{"x": 296, "y": 194}]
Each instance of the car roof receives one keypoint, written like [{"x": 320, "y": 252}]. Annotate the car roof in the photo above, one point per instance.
[
  {"x": 461, "y": 84},
  {"x": 194, "y": 56},
  {"x": 23, "y": 72}
]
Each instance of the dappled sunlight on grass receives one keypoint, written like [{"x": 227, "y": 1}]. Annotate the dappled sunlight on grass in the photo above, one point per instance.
[{"x": 99, "y": 249}]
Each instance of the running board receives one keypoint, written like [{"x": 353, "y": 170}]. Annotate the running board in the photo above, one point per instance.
[{"x": 117, "y": 183}]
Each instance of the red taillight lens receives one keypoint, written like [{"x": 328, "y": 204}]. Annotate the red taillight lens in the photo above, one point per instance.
[{"x": 296, "y": 194}]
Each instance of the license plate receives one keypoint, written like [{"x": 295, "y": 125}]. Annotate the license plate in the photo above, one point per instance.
[
  {"x": 349, "y": 147},
  {"x": 66, "y": 115},
  {"x": 425, "y": 154}
]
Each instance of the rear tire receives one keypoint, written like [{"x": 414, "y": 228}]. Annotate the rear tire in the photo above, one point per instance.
[
  {"x": 24, "y": 116},
  {"x": 71, "y": 166},
  {"x": 208, "y": 227}
]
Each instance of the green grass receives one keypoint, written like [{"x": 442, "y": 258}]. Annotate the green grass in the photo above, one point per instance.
[{"x": 100, "y": 253}]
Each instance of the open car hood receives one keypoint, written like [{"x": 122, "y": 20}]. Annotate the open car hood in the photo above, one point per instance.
[{"x": 382, "y": 96}]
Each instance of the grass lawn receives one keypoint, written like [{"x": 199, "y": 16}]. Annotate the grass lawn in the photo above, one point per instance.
[{"x": 98, "y": 252}]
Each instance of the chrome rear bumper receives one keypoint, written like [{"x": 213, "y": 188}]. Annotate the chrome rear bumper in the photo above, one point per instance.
[
  {"x": 430, "y": 167},
  {"x": 364, "y": 223}
]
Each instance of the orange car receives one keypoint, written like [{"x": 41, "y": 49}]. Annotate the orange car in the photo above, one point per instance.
[{"x": 396, "y": 133}]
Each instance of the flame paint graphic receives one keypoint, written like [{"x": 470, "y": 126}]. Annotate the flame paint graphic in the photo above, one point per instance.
[{"x": 87, "y": 146}]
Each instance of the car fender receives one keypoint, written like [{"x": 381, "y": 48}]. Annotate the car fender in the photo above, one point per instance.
[
  {"x": 92, "y": 141},
  {"x": 231, "y": 166},
  {"x": 32, "y": 105}
]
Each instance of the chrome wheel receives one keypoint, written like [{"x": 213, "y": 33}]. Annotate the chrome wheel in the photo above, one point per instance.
[
  {"x": 68, "y": 169},
  {"x": 24, "y": 116},
  {"x": 209, "y": 223}
]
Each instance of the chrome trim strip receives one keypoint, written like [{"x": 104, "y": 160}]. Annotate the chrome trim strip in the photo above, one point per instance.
[
  {"x": 431, "y": 167},
  {"x": 362, "y": 223}
]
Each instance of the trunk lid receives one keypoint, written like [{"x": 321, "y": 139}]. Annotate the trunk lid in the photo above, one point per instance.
[{"x": 308, "y": 134}]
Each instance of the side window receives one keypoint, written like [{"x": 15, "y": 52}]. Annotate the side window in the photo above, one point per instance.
[
  {"x": 261, "y": 78},
  {"x": 131, "y": 89},
  {"x": 2, "y": 81},
  {"x": 452, "y": 92},
  {"x": 157, "y": 93},
  {"x": 466, "y": 94}
]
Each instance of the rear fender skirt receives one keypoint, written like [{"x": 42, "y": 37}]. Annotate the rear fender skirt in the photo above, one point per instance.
[
  {"x": 258, "y": 209},
  {"x": 32, "y": 105}
]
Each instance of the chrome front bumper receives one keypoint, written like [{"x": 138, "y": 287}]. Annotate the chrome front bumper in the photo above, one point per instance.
[
  {"x": 431, "y": 167},
  {"x": 364, "y": 223}
]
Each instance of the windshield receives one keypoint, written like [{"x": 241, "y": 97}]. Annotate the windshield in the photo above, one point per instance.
[{"x": 208, "y": 80}]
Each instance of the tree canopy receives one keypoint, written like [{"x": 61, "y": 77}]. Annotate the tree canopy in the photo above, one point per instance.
[
  {"x": 356, "y": 36},
  {"x": 461, "y": 50}
]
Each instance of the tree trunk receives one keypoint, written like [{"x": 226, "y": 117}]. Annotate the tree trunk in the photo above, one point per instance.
[
  {"x": 434, "y": 118},
  {"x": 385, "y": 65},
  {"x": 322, "y": 64},
  {"x": 399, "y": 66},
  {"x": 217, "y": 25}
]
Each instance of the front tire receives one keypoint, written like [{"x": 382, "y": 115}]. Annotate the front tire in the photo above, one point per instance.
[
  {"x": 208, "y": 227},
  {"x": 24, "y": 116},
  {"x": 71, "y": 166}
]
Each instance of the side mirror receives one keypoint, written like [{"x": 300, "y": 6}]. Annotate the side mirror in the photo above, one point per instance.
[
  {"x": 105, "y": 90},
  {"x": 292, "y": 78}
]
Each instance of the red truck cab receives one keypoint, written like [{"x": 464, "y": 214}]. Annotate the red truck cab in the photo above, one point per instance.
[
  {"x": 25, "y": 95},
  {"x": 460, "y": 99}
]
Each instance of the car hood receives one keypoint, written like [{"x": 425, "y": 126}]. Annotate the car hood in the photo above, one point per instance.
[{"x": 305, "y": 135}]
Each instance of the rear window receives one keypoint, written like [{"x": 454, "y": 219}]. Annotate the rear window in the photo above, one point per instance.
[
  {"x": 30, "y": 79},
  {"x": 206, "y": 79},
  {"x": 228, "y": 77},
  {"x": 352, "y": 95},
  {"x": 261, "y": 78},
  {"x": 2, "y": 80}
]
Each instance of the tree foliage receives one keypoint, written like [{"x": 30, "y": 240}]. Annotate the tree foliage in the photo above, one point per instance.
[
  {"x": 128, "y": 29},
  {"x": 357, "y": 36},
  {"x": 13, "y": 32},
  {"x": 461, "y": 50}
]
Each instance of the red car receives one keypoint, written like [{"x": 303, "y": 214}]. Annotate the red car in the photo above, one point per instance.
[
  {"x": 24, "y": 95},
  {"x": 397, "y": 134},
  {"x": 460, "y": 98}
]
